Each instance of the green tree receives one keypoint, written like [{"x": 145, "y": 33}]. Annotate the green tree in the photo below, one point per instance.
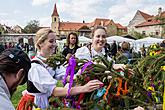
[
  {"x": 138, "y": 35},
  {"x": 2, "y": 30},
  {"x": 32, "y": 27}
]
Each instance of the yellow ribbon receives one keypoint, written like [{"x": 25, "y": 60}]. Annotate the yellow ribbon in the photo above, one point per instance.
[
  {"x": 37, "y": 108},
  {"x": 153, "y": 93},
  {"x": 164, "y": 98}
]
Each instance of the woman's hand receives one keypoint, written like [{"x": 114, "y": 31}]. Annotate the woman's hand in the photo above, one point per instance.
[
  {"x": 92, "y": 85},
  {"x": 68, "y": 56}
]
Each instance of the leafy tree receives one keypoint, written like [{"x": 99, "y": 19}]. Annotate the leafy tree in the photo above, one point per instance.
[
  {"x": 32, "y": 27},
  {"x": 138, "y": 35},
  {"x": 2, "y": 30}
]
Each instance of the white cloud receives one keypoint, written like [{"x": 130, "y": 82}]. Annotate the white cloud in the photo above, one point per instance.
[
  {"x": 77, "y": 10},
  {"x": 17, "y": 11},
  {"x": 124, "y": 11},
  {"x": 45, "y": 21},
  {"x": 121, "y": 11},
  {"x": 9, "y": 22},
  {"x": 39, "y": 2},
  {"x": 3, "y": 14}
]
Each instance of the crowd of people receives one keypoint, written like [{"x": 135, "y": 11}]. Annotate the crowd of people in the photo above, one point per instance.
[
  {"x": 16, "y": 67},
  {"x": 22, "y": 46}
]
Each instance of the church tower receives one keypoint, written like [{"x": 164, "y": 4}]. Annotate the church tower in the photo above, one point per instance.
[{"x": 55, "y": 21}]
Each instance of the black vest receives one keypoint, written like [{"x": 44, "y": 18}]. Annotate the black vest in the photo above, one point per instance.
[{"x": 30, "y": 86}]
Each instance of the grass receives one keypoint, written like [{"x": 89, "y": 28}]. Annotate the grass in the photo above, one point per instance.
[{"x": 17, "y": 95}]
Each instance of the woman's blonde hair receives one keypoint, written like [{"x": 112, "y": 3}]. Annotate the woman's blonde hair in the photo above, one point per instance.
[{"x": 41, "y": 36}]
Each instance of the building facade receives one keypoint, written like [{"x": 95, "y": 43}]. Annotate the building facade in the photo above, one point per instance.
[
  {"x": 148, "y": 25},
  {"x": 84, "y": 29}
]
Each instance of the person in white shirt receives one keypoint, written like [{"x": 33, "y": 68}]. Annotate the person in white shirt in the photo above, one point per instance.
[
  {"x": 41, "y": 83},
  {"x": 99, "y": 35},
  {"x": 14, "y": 67}
]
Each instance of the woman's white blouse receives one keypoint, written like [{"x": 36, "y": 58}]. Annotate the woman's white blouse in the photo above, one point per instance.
[
  {"x": 84, "y": 53},
  {"x": 42, "y": 76}
]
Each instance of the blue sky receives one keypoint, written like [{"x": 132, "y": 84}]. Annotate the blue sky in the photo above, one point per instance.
[{"x": 20, "y": 12}]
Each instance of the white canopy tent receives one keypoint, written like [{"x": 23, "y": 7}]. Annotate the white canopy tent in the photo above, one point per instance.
[
  {"x": 147, "y": 42},
  {"x": 60, "y": 44},
  {"x": 118, "y": 39},
  {"x": 83, "y": 39}
]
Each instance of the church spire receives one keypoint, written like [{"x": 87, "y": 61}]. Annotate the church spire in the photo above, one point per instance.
[{"x": 55, "y": 13}]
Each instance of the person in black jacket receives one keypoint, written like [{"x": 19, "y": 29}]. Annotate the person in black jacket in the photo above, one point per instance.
[
  {"x": 1, "y": 48},
  {"x": 162, "y": 44},
  {"x": 113, "y": 49},
  {"x": 71, "y": 46}
]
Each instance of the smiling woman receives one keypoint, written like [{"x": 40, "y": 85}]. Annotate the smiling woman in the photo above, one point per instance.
[
  {"x": 97, "y": 47},
  {"x": 42, "y": 79}
]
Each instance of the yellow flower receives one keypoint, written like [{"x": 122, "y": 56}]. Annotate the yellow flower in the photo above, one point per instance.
[
  {"x": 151, "y": 89},
  {"x": 152, "y": 53},
  {"x": 37, "y": 108},
  {"x": 163, "y": 68},
  {"x": 153, "y": 46}
]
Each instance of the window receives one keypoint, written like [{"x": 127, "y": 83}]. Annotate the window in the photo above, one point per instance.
[
  {"x": 144, "y": 32},
  {"x": 55, "y": 19},
  {"x": 157, "y": 33}
]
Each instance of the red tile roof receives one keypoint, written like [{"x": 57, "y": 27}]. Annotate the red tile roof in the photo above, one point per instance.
[
  {"x": 55, "y": 13},
  {"x": 99, "y": 21},
  {"x": 150, "y": 23},
  {"x": 162, "y": 14},
  {"x": 71, "y": 26},
  {"x": 119, "y": 26},
  {"x": 145, "y": 15}
]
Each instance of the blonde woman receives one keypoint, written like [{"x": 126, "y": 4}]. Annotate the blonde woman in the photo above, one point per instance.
[{"x": 41, "y": 83}]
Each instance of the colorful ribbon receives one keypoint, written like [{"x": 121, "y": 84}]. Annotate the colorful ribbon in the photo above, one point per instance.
[
  {"x": 100, "y": 92},
  {"x": 85, "y": 66},
  {"x": 81, "y": 97},
  {"x": 70, "y": 69},
  {"x": 164, "y": 97},
  {"x": 106, "y": 93}
]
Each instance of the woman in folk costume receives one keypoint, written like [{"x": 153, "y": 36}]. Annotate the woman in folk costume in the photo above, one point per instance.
[
  {"x": 42, "y": 79},
  {"x": 99, "y": 35}
]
